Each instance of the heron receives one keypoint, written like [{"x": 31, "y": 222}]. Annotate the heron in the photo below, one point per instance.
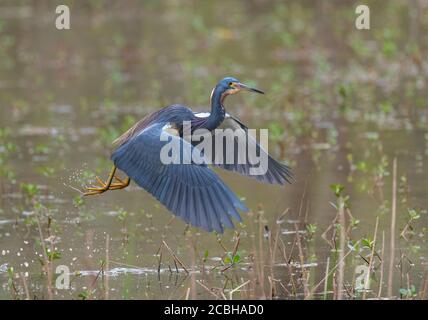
[{"x": 192, "y": 191}]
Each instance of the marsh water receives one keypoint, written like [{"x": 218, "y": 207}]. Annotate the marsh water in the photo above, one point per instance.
[{"x": 341, "y": 105}]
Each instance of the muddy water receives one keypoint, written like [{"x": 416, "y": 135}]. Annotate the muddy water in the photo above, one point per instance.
[{"x": 341, "y": 105}]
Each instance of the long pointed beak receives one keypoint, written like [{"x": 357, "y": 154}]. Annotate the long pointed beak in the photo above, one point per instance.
[{"x": 247, "y": 88}]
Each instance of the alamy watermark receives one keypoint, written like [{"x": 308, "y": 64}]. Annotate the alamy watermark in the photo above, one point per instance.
[
  {"x": 62, "y": 21},
  {"x": 219, "y": 147},
  {"x": 362, "y": 22},
  {"x": 62, "y": 281},
  {"x": 362, "y": 281}
]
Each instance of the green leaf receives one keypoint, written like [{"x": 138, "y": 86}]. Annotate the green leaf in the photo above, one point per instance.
[
  {"x": 236, "y": 258},
  {"x": 30, "y": 189},
  {"x": 403, "y": 292},
  {"x": 367, "y": 243},
  {"x": 10, "y": 272},
  {"x": 53, "y": 255},
  {"x": 78, "y": 201},
  {"x": 337, "y": 189},
  {"x": 413, "y": 214},
  {"x": 83, "y": 295},
  {"x": 311, "y": 228}
]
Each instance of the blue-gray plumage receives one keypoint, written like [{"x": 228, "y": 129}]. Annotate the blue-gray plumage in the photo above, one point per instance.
[{"x": 191, "y": 191}]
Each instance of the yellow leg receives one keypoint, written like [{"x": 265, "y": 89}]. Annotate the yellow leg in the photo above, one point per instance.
[
  {"x": 121, "y": 185},
  {"x": 108, "y": 185}
]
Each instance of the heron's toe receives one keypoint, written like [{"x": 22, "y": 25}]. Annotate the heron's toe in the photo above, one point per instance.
[
  {"x": 101, "y": 182},
  {"x": 92, "y": 192}
]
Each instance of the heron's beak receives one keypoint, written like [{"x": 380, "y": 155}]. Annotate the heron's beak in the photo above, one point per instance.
[{"x": 242, "y": 86}]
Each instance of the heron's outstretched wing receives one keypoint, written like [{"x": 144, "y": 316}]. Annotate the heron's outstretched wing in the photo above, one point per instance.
[
  {"x": 191, "y": 191},
  {"x": 270, "y": 171}
]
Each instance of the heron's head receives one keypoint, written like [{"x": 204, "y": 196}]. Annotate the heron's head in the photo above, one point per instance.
[{"x": 230, "y": 85}]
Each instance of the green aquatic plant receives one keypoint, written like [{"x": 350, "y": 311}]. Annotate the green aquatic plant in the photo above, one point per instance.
[
  {"x": 78, "y": 201},
  {"x": 408, "y": 293},
  {"x": 83, "y": 295},
  {"x": 232, "y": 259},
  {"x": 47, "y": 171},
  {"x": 29, "y": 189},
  {"x": 409, "y": 228},
  {"x": 7, "y": 149},
  {"x": 337, "y": 189},
  {"x": 53, "y": 254},
  {"x": 311, "y": 228},
  {"x": 11, "y": 275}
]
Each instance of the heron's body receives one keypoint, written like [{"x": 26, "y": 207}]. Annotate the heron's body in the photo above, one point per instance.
[{"x": 191, "y": 191}]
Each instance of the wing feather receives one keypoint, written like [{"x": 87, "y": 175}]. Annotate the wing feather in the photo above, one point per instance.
[
  {"x": 275, "y": 172},
  {"x": 192, "y": 192}
]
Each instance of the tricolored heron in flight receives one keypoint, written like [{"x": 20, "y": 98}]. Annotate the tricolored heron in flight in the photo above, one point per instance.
[{"x": 192, "y": 191}]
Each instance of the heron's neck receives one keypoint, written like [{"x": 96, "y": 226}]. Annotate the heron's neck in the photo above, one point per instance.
[{"x": 217, "y": 110}]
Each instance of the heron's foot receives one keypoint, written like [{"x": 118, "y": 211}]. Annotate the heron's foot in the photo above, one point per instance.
[{"x": 104, "y": 186}]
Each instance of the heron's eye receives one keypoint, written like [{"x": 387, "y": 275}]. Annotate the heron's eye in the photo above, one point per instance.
[{"x": 230, "y": 84}]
